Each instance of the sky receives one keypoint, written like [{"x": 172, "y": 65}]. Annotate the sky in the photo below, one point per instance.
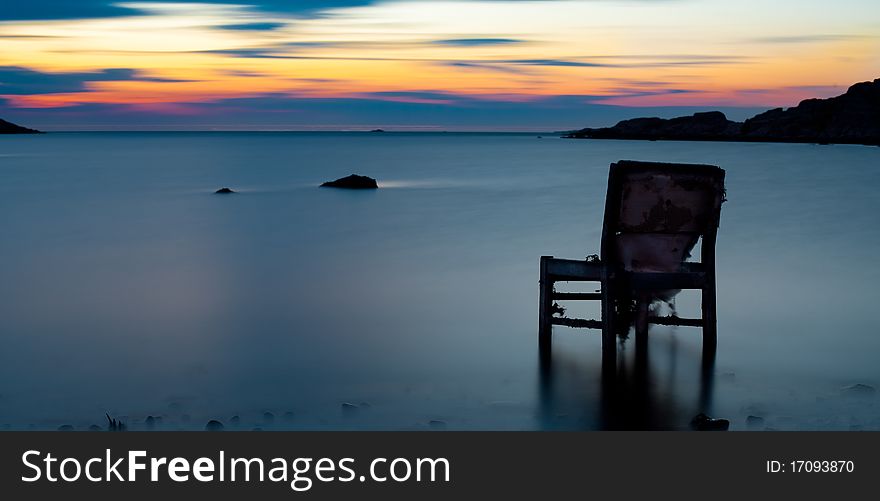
[{"x": 421, "y": 64}]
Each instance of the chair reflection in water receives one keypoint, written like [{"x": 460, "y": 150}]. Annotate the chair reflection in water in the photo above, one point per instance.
[{"x": 655, "y": 213}]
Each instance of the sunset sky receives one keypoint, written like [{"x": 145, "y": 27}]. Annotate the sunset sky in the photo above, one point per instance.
[{"x": 410, "y": 64}]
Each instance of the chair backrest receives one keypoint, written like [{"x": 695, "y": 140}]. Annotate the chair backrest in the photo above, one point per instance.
[{"x": 656, "y": 212}]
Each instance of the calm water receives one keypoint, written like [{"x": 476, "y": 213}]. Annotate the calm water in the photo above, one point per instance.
[{"x": 127, "y": 287}]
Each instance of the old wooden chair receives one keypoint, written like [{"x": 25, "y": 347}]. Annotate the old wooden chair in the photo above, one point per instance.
[{"x": 655, "y": 213}]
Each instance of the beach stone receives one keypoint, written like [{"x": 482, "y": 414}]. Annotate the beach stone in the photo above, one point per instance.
[
  {"x": 224, "y": 191},
  {"x": 214, "y": 425},
  {"x": 354, "y": 182},
  {"x": 702, "y": 422},
  {"x": 754, "y": 421}
]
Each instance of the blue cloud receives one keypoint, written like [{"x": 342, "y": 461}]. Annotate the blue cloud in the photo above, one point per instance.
[
  {"x": 468, "y": 42},
  {"x": 77, "y": 9},
  {"x": 15, "y": 80},
  {"x": 367, "y": 111},
  {"x": 557, "y": 62},
  {"x": 253, "y": 26}
]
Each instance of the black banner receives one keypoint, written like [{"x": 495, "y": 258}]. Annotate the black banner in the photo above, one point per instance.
[{"x": 412, "y": 465}]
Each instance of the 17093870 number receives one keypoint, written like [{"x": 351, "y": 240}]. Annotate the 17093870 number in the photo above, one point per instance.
[{"x": 839, "y": 466}]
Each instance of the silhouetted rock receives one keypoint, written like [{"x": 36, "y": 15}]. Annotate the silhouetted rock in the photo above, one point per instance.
[
  {"x": 851, "y": 118},
  {"x": 11, "y": 128},
  {"x": 708, "y": 126},
  {"x": 268, "y": 417},
  {"x": 65, "y": 427},
  {"x": 353, "y": 181},
  {"x": 95, "y": 427},
  {"x": 214, "y": 425},
  {"x": 224, "y": 191},
  {"x": 437, "y": 424},
  {"x": 702, "y": 422},
  {"x": 377, "y": 130}
]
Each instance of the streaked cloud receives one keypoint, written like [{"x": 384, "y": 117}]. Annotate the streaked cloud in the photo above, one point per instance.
[
  {"x": 253, "y": 26},
  {"x": 472, "y": 42},
  {"x": 180, "y": 57}
]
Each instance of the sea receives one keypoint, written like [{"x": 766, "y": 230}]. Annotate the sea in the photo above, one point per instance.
[{"x": 129, "y": 289}]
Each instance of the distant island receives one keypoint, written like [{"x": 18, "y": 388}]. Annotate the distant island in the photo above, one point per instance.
[
  {"x": 11, "y": 128},
  {"x": 851, "y": 118}
]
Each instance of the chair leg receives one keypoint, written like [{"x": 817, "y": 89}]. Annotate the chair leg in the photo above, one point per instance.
[
  {"x": 641, "y": 323},
  {"x": 710, "y": 321},
  {"x": 545, "y": 302},
  {"x": 609, "y": 334}
]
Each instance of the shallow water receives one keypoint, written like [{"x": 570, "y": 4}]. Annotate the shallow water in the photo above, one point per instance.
[{"x": 127, "y": 287}]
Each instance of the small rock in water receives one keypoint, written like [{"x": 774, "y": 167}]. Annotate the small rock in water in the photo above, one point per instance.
[
  {"x": 214, "y": 425},
  {"x": 860, "y": 389},
  {"x": 150, "y": 422},
  {"x": 349, "y": 409},
  {"x": 224, "y": 191},
  {"x": 702, "y": 422},
  {"x": 235, "y": 420},
  {"x": 354, "y": 182},
  {"x": 95, "y": 427},
  {"x": 65, "y": 427},
  {"x": 754, "y": 421},
  {"x": 437, "y": 424},
  {"x": 288, "y": 416},
  {"x": 268, "y": 417}
]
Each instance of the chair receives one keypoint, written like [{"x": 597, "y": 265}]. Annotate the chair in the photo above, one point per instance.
[{"x": 655, "y": 213}]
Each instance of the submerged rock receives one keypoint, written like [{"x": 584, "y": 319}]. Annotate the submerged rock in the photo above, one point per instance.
[
  {"x": 224, "y": 191},
  {"x": 755, "y": 422},
  {"x": 354, "y": 182},
  {"x": 437, "y": 424},
  {"x": 860, "y": 390},
  {"x": 349, "y": 409},
  {"x": 65, "y": 427},
  {"x": 214, "y": 425},
  {"x": 702, "y": 422}
]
